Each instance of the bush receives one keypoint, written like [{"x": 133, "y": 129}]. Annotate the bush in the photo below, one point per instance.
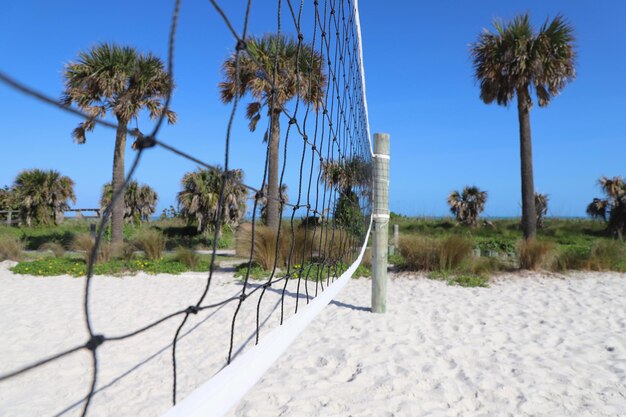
[
  {"x": 11, "y": 248},
  {"x": 298, "y": 247},
  {"x": 569, "y": 258},
  {"x": 84, "y": 243},
  {"x": 187, "y": 256},
  {"x": 453, "y": 251},
  {"x": 55, "y": 247},
  {"x": 152, "y": 242},
  {"x": 484, "y": 266},
  {"x": 606, "y": 255},
  {"x": 420, "y": 253},
  {"x": 533, "y": 254}
]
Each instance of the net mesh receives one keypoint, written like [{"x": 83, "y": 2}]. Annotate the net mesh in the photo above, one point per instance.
[{"x": 302, "y": 80}]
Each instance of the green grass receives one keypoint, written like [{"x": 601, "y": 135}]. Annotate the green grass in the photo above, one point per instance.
[
  {"x": 76, "y": 266},
  {"x": 176, "y": 232}
]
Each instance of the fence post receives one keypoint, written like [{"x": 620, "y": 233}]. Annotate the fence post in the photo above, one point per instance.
[
  {"x": 10, "y": 218},
  {"x": 396, "y": 236},
  {"x": 381, "y": 222}
]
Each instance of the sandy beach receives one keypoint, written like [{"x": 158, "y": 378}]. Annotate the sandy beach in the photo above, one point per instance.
[{"x": 532, "y": 344}]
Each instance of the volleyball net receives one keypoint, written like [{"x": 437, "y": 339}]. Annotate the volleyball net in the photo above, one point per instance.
[{"x": 299, "y": 87}]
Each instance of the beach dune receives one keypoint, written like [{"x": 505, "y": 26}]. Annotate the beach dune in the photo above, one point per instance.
[{"x": 530, "y": 345}]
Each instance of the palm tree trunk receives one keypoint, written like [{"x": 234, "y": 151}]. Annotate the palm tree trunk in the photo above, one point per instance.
[
  {"x": 529, "y": 220},
  {"x": 117, "y": 213},
  {"x": 273, "y": 189}
]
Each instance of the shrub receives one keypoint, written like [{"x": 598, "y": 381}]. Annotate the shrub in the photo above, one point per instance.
[
  {"x": 11, "y": 248},
  {"x": 125, "y": 251},
  {"x": 84, "y": 243},
  {"x": 152, "y": 242},
  {"x": 469, "y": 281},
  {"x": 453, "y": 251},
  {"x": 420, "y": 253},
  {"x": 569, "y": 258},
  {"x": 606, "y": 255},
  {"x": 533, "y": 254},
  {"x": 484, "y": 266},
  {"x": 187, "y": 256},
  {"x": 55, "y": 247}
]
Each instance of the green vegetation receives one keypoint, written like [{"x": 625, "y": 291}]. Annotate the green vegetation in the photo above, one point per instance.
[
  {"x": 42, "y": 196},
  {"x": 139, "y": 201},
  {"x": 467, "y": 205},
  {"x": 198, "y": 201},
  {"x": 562, "y": 244},
  {"x": 77, "y": 267},
  {"x": 292, "y": 69},
  {"x": 515, "y": 60},
  {"x": 119, "y": 80}
]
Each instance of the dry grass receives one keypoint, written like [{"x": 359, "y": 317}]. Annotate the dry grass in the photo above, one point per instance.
[
  {"x": 297, "y": 246},
  {"x": 152, "y": 243},
  {"x": 454, "y": 250},
  {"x": 420, "y": 253},
  {"x": 84, "y": 243},
  {"x": 11, "y": 248},
  {"x": 56, "y": 248},
  {"x": 186, "y": 256},
  {"x": 534, "y": 254},
  {"x": 605, "y": 255}
]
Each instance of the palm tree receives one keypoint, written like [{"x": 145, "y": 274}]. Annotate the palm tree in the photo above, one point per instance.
[
  {"x": 139, "y": 201},
  {"x": 344, "y": 176},
  {"x": 614, "y": 206},
  {"x": 468, "y": 205},
  {"x": 512, "y": 62},
  {"x": 284, "y": 198},
  {"x": 42, "y": 195},
  {"x": 274, "y": 69},
  {"x": 119, "y": 80},
  {"x": 597, "y": 209},
  {"x": 7, "y": 199},
  {"x": 541, "y": 207},
  {"x": 198, "y": 201}
]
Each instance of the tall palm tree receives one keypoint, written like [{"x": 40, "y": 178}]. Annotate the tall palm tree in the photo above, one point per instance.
[
  {"x": 42, "y": 195},
  {"x": 119, "y": 80},
  {"x": 513, "y": 61},
  {"x": 541, "y": 208},
  {"x": 139, "y": 201},
  {"x": 274, "y": 69},
  {"x": 284, "y": 197},
  {"x": 198, "y": 201},
  {"x": 467, "y": 205}
]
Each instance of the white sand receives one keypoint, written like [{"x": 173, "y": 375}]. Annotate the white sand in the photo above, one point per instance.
[{"x": 530, "y": 345}]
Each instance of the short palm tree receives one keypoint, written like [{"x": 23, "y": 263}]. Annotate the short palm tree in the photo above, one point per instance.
[
  {"x": 7, "y": 200},
  {"x": 613, "y": 208},
  {"x": 274, "y": 69},
  {"x": 597, "y": 209},
  {"x": 42, "y": 196},
  {"x": 467, "y": 205},
  {"x": 118, "y": 80},
  {"x": 198, "y": 201},
  {"x": 139, "y": 201},
  {"x": 345, "y": 176},
  {"x": 541, "y": 208},
  {"x": 513, "y": 61}
]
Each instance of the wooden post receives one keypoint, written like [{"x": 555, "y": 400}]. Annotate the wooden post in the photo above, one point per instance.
[
  {"x": 9, "y": 217},
  {"x": 381, "y": 223},
  {"x": 396, "y": 235}
]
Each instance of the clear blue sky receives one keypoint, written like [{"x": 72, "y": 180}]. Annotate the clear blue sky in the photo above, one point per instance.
[{"x": 420, "y": 90}]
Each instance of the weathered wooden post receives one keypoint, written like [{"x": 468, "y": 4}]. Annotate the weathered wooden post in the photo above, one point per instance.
[
  {"x": 9, "y": 218},
  {"x": 381, "y": 222}
]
